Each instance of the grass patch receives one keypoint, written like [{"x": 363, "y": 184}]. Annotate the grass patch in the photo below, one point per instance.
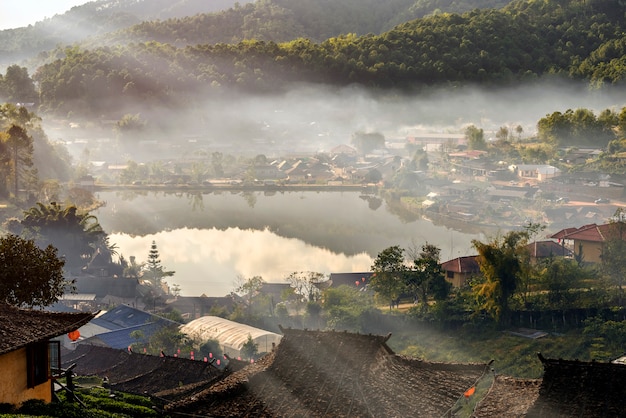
[{"x": 513, "y": 356}]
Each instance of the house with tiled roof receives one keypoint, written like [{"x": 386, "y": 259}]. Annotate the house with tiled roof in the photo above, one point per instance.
[
  {"x": 588, "y": 241},
  {"x": 28, "y": 353},
  {"x": 459, "y": 270},
  {"x": 541, "y": 250}
]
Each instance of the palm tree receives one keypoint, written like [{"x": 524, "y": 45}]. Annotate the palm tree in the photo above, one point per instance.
[{"x": 77, "y": 235}]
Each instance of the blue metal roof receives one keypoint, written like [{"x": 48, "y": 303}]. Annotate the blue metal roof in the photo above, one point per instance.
[{"x": 122, "y": 338}]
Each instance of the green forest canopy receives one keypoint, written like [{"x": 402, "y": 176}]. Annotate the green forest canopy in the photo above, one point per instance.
[{"x": 523, "y": 41}]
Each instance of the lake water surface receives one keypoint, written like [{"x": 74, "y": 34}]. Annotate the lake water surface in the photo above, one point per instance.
[{"x": 210, "y": 239}]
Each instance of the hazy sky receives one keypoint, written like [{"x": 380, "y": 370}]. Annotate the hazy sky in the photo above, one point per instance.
[{"x": 19, "y": 13}]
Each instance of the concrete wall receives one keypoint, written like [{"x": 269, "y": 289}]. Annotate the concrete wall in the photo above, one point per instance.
[{"x": 13, "y": 380}]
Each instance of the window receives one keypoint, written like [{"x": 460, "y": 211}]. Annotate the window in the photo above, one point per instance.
[
  {"x": 450, "y": 274},
  {"x": 40, "y": 358}
]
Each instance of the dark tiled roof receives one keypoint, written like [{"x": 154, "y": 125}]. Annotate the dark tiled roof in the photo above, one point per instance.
[
  {"x": 543, "y": 249},
  {"x": 315, "y": 373},
  {"x": 568, "y": 389},
  {"x": 138, "y": 373},
  {"x": 508, "y": 397},
  {"x": 580, "y": 389},
  {"x": 466, "y": 264},
  {"x": 19, "y": 327}
]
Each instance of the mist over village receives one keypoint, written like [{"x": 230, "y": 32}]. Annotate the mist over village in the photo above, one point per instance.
[{"x": 346, "y": 208}]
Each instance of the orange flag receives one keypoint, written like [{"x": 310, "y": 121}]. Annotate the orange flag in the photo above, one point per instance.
[{"x": 469, "y": 392}]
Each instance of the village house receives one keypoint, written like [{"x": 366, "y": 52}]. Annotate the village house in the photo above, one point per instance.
[
  {"x": 29, "y": 355},
  {"x": 588, "y": 241},
  {"x": 540, "y": 172},
  {"x": 459, "y": 270},
  {"x": 541, "y": 250}
]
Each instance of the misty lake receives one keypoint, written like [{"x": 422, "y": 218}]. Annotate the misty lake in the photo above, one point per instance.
[{"x": 209, "y": 239}]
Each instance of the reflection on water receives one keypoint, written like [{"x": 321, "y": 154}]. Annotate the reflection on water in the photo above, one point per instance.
[{"x": 209, "y": 239}]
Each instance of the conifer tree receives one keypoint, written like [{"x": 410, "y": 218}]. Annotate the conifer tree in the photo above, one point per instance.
[{"x": 154, "y": 269}]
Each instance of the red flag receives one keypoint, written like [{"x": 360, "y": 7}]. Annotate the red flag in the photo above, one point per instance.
[{"x": 469, "y": 392}]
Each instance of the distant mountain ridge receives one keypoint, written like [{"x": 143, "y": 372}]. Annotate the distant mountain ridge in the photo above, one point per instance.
[{"x": 96, "y": 18}]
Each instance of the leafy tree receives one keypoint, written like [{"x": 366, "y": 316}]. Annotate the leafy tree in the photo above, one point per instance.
[
  {"x": 249, "y": 349},
  {"x": 500, "y": 264},
  {"x": 17, "y": 86},
  {"x": 168, "y": 340},
  {"x": 153, "y": 268},
  {"x": 426, "y": 277},
  {"x": 74, "y": 233},
  {"x": 30, "y": 276},
  {"x": 609, "y": 337},
  {"x": 131, "y": 269},
  {"x": 306, "y": 284},
  {"x": 129, "y": 125},
  {"x": 20, "y": 145},
  {"x": 389, "y": 270},
  {"x": 578, "y": 127},
  {"x": 614, "y": 252},
  {"x": 345, "y": 308},
  {"x": 475, "y": 138},
  {"x": 249, "y": 289},
  {"x": 561, "y": 278}
]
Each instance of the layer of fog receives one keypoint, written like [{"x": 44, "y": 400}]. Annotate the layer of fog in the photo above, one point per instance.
[{"x": 315, "y": 118}]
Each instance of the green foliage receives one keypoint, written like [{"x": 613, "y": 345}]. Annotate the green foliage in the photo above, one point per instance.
[
  {"x": 254, "y": 304},
  {"x": 614, "y": 253},
  {"x": 608, "y": 337},
  {"x": 521, "y": 42},
  {"x": 249, "y": 349},
  {"x": 76, "y": 234},
  {"x": 153, "y": 269},
  {"x": 29, "y": 275},
  {"x": 167, "y": 339},
  {"x": 513, "y": 356},
  {"x": 561, "y": 278},
  {"x": 475, "y": 138},
  {"x": 500, "y": 264},
  {"x": 426, "y": 277},
  {"x": 17, "y": 86},
  {"x": 305, "y": 284},
  {"x": 388, "y": 280},
  {"x": 580, "y": 127},
  {"x": 346, "y": 308},
  {"x": 99, "y": 405}
]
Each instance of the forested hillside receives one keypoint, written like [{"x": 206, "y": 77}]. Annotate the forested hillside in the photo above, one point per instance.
[
  {"x": 285, "y": 20},
  {"x": 577, "y": 39},
  {"x": 96, "y": 18},
  {"x": 190, "y": 22}
]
